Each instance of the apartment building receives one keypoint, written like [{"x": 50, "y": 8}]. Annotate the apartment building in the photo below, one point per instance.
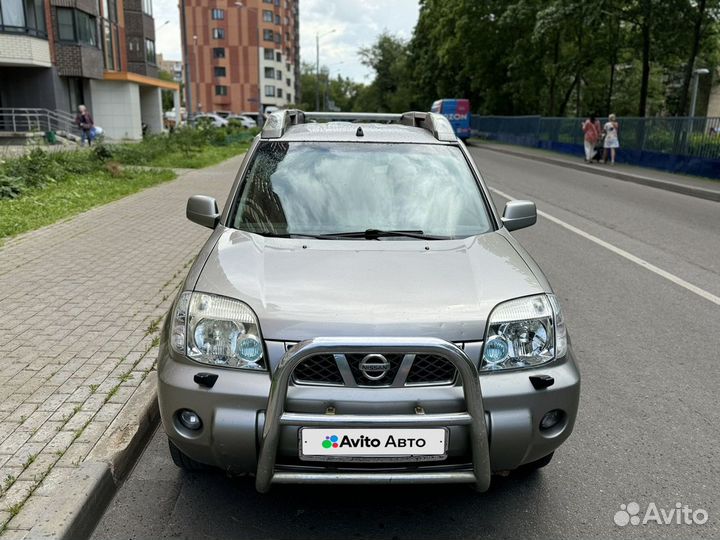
[
  {"x": 174, "y": 67},
  {"x": 243, "y": 56},
  {"x": 58, "y": 54}
]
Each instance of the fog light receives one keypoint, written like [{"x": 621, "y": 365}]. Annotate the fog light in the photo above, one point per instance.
[
  {"x": 190, "y": 419},
  {"x": 551, "y": 419}
]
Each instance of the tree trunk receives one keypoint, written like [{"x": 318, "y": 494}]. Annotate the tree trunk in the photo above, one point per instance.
[
  {"x": 645, "y": 82},
  {"x": 695, "y": 48},
  {"x": 566, "y": 98},
  {"x": 553, "y": 80}
]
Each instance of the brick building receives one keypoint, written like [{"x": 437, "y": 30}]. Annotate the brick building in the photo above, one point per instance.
[
  {"x": 241, "y": 54},
  {"x": 58, "y": 54}
]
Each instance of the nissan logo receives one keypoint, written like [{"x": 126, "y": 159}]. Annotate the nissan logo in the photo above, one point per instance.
[{"x": 374, "y": 367}]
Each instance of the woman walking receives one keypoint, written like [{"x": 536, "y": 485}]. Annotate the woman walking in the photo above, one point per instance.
[
  {"x": 612, "y": 142},
  {"x": 591, "y": 129},
  {"x": 85, "y": 122}
]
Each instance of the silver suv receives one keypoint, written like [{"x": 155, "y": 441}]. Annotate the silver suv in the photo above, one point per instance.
[{"x": 361, "y": 314}]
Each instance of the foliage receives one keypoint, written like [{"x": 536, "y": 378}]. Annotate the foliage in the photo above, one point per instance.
[
  {"x": 183, "y": 148},
  {"x": 547, "y": 57}
]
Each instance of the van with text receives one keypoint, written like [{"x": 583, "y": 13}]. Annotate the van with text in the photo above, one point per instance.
[{"x": 458, "y": 112}]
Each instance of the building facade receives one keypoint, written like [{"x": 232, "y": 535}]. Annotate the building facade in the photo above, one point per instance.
[
  {"x": 242, "y": 56},
  {"x": 173, "y": 67},
  {"x": 58, "y": 54}
]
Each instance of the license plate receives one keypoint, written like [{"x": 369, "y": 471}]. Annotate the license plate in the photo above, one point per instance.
[{"x": 373, "y": 444}]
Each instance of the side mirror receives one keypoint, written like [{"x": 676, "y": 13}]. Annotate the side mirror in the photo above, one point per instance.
[
  {"x": 519, "y": 214},
  {"x": 203, "y": 210}
]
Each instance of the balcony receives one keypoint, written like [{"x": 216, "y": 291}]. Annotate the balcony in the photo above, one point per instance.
[{"x": 23, "y": 35}]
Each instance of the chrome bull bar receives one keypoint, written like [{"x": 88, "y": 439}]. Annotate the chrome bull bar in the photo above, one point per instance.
[{"x": 276, "y": 416}]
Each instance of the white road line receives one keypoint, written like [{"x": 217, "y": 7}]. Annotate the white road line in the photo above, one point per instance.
[{"x": 629, "y": 256}]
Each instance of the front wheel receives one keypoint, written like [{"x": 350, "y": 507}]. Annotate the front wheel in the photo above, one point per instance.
[
  {"x": 537, "y": 464},
  {"x": 184, "y": 462}
]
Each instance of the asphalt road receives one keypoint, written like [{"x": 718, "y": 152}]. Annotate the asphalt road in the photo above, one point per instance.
[{"x": 647, "y": 431}]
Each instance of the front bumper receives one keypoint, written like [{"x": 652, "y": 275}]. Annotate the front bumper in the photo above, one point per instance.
[{"x": 500, "y": 429}]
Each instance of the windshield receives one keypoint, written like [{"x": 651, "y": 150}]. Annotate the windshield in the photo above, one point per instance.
[{"x": 330, "y": 188}]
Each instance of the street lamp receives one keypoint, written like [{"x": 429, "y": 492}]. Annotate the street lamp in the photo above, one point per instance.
[
  {"x": 696, "y": 78},
  {"x": 186, "y": 59},
  {"x": 327, "y": 83},
  {"x": 257, "y": 34},
  {"x": 317, "y": 66}
]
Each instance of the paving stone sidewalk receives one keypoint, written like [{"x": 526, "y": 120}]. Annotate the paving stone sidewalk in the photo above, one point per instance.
[{"x": 81, "y": 304}]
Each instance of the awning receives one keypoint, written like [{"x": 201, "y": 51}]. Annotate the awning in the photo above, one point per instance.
[{"x": 142, "y": 80}]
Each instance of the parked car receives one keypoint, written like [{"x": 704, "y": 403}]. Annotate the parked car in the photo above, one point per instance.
[
  {"x": 361, "y": 313},
  {"x": 210, "y": 119},
  {"x": 245, "y": 121}
]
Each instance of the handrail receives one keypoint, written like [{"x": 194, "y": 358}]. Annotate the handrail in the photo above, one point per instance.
[{"x": 27, "y": 119}]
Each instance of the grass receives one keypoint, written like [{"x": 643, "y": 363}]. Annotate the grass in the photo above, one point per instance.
[
  {"x": 42, "y": 206},
  {"x": 209, "y": 156}
]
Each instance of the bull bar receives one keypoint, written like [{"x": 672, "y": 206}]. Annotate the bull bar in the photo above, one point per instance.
[{"x": 276, "y": 416}]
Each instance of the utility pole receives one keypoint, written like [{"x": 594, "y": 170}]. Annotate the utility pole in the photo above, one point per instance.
[
  {"x": 188, "y": 91},
  {"x": 317, "y": 66}
]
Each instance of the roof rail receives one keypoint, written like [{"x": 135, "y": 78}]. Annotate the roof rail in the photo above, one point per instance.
[{"x": 278, "y": 122}]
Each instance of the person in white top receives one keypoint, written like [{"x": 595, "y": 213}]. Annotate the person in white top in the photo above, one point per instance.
[{"x": 611, "y": 142}]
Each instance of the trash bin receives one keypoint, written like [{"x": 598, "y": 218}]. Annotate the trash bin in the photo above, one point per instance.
[{"x": 51, "y": 137}]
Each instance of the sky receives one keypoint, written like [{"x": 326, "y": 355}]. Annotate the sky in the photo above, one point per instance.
[{"x": 355, "y": 23}]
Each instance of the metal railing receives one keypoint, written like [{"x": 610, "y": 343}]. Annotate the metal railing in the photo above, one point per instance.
[
  {"x": 276, "y": 416},
  {"x": 28, "y": 120},
  {"x": 680, "y": 136}
]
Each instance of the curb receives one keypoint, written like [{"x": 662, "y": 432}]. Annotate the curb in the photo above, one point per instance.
[
  {"x": 693, "y": 191},
  {"x": 75, "y": 508}
]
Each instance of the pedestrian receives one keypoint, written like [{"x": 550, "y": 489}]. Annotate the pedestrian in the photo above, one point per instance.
[
  {"x": 84, "y": 121},
  {"x": 611, "y": 129},
  {"x": 591, "y": 129}
]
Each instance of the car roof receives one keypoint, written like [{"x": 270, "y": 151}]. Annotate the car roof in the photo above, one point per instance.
[{"x": 348, "y": 132}]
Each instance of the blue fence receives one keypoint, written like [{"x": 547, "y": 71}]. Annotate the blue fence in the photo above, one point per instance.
[{"x": 679, "y": 145}]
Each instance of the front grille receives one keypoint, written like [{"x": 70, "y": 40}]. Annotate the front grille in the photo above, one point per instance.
[
  {"x": 328, "y": 369},
  {"x": 320, "y": 369},
  {"x": 394, "y": 360},
  {"x": 431, "y": 369}
]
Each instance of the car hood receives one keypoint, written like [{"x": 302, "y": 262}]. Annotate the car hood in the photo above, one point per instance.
[{"x": 302, "y": 289}]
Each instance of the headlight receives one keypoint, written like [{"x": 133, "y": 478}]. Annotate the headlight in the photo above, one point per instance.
[
  {"x": 216, "y": 330},
  {"x": 525, "y": 332}
]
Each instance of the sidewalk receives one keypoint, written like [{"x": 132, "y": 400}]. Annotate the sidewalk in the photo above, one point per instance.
[
  {"x": 688, "y": 185},
  {"x": 81, "y": 305}
]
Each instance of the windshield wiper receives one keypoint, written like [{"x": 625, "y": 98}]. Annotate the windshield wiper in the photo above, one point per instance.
[
  {"x": 374, "y": 234},
  {"x": 271, "y": 234}
]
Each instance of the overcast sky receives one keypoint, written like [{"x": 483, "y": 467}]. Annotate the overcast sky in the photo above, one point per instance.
[{"x": 356, "y": 24}]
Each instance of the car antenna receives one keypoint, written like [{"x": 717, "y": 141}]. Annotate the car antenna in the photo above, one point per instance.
[{"x": 359, "y": 132}]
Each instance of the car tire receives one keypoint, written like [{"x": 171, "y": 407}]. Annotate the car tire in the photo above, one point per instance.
[
  {"x": 537, "y": 464},
  {"x": 184, "y": 462}
]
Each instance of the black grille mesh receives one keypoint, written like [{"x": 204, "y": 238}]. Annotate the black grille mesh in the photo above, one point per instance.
[
  {"x": 319, "y": 369},
  {"x": 430, "y": 369}
]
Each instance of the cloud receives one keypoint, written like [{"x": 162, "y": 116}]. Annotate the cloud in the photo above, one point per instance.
[{"x": 356, "y": 25}]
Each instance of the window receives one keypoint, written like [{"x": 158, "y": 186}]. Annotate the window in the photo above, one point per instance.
[
  {"x": 147, "y": 6},
  {"x": 109, "y": 47},
  {"x": 277, "y": 19},
  {"x": 218, "y": 33},
  {"x": 267, "y": 35},
  {"x": 279, "y": 92},
  {"x": 289, "y": 98},
  {"x": 409, "y": 182},
  {"x": 278, "y": 57},
  {"x": 219, "y": 71},
  {"x": 269, "y": 73},
  {"x": 287, "y": 66},
  {"x": 267, "y": 15},
  {"x": 278, "y": 75},
  {"x": 221, "y": 90},
  {"x": 268, "y": 54},
  {"x": 286, "y": 21},
  {"x": 150, "y": 50},
  {"x": 278, "y": 37},
  {"x": 76, "y": 26},
  {"x": 66, "y": 24},
  {"x": 267, "y": 1},
  {"x": 277, "y": 2},
  {"x": 134, "y": 44},
  {"x": 218, "y": 14},
  {"x": 269, "y": 90},
  {"x": 26, "y": 16},
  {"x": 287, "y": 81},
  {"x": 109, "y": 10},
  {"x": 219, "y": 52}
]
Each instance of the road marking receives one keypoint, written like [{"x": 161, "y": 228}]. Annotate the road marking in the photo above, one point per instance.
[{"x": 629, "y": 256}]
